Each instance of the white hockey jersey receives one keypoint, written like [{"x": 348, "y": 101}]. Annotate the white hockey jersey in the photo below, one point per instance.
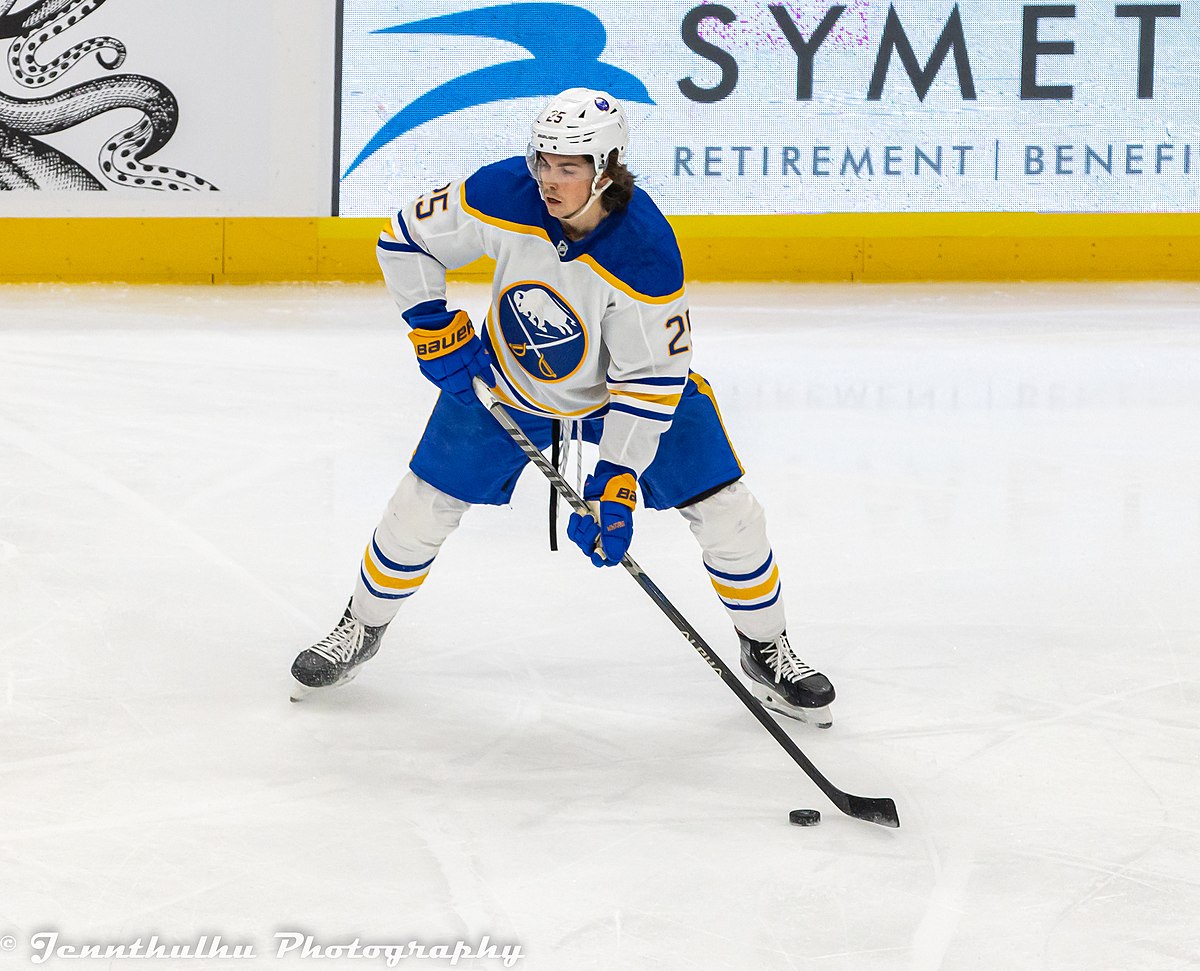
[{"x": 577, "y": 329}]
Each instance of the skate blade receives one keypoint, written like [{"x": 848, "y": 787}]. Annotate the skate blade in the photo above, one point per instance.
[
  {"x": 300, "y": 691},
  {"x": 819, "y": 717}
]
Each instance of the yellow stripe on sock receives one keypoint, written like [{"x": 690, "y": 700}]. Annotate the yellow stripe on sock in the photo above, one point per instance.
[
  {"x": 392, "y": 583},
  {"x": 748, "y": 593}
]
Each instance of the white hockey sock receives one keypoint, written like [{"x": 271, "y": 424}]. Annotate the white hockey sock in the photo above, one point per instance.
[
  {"x": 731, "y": 529},
  {"x": 405, "y": 543}
]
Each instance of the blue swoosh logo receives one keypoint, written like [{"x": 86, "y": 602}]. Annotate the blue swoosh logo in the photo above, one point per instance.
[{"x": 566, "y": 43}]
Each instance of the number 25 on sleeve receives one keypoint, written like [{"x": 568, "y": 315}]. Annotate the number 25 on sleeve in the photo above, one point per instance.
[{"x": 682, "y": 326}]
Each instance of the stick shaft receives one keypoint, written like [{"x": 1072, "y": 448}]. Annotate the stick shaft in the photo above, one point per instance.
[{"x": 875, "y": 810}]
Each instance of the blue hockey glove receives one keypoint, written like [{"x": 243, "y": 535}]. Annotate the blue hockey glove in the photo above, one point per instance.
[
  {"x": 448, "y": 352},
  {"x": 606, "y": 541}
]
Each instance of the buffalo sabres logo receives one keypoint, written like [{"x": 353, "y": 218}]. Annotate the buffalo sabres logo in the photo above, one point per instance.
[{"x": 542, "y": 331}]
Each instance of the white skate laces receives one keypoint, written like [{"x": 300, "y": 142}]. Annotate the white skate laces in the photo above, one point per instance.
[
  {"x": 342, "y": 643},
  {"x": 783, "y": 660}
]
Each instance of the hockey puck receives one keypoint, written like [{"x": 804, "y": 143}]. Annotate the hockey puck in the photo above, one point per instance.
[{"x": 804, "y": 817}]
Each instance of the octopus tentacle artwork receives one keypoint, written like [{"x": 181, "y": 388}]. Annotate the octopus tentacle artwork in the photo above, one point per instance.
[{"x": 124, "y": 160}]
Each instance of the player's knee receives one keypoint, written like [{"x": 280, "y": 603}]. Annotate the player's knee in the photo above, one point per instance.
[
  {"x": 422, "y": 513},
  {"x": 727, "y": 520}
]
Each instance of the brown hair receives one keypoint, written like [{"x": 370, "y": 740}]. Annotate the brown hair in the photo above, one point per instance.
[{"x": 617, "y": 195}]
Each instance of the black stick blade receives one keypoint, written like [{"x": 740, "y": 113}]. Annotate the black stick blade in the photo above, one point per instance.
[{"x": 882, "y": 812}]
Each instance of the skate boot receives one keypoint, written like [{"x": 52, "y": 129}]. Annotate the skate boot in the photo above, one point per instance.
[
  {"x": 784, "y": 683},
  {"x": 336, "y": 658}
]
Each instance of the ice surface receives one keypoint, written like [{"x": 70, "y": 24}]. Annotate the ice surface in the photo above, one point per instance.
[{"x": 986, "y": 505}]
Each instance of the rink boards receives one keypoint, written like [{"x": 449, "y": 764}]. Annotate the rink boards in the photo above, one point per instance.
[
  {"x": 872, "y": 248},
  {"x": 796, "y": 141}
]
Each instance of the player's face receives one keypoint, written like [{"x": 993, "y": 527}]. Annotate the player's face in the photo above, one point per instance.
[{"x": 565, "y": 180}]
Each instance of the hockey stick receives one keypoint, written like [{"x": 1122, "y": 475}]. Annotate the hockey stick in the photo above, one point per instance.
[{"x": 873, "y": 810}]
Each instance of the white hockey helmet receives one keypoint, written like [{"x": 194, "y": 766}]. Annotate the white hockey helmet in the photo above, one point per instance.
[{"x": 580, "y": 121}]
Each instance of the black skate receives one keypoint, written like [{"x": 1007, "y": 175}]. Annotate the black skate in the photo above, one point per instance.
[
  {"x": 784, "y": 683},
  {"x": 336, "y": 658}
]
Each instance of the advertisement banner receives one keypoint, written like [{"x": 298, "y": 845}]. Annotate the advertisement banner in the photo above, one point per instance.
[
  {"x": 146, "y": 108},
  {"x": 795, "y": 106}
]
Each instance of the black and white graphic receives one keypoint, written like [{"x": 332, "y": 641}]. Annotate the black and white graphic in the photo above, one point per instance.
[{"x": 127, "y": 158}]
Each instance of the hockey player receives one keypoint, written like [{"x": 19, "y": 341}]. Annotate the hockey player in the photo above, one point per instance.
[{"x": 588, "y": 324}]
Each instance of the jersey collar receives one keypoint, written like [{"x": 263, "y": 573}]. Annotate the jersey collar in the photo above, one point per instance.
[{"x": 570, "y": 249}]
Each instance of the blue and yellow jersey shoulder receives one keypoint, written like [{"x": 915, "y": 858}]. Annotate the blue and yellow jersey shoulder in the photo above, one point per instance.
[
  {"x": 504, "y": 194},
  {"x": 636, "y": 251}
]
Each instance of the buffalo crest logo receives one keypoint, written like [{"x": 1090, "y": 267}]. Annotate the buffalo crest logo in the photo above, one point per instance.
[{"x": 543, "y": 332}]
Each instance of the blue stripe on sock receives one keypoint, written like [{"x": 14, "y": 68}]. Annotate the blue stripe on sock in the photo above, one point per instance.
[
  {"x": 743, "y": 576},
  {"x": 760, "y": 606},
  {"x": 399, "y": 567}
]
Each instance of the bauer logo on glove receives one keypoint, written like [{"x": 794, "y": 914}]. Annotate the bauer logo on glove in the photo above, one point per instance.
[
  {"x": 431, "y": 344},
  {"x": 627, "y": 496},
  {"x": 448, "y": 352}
]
